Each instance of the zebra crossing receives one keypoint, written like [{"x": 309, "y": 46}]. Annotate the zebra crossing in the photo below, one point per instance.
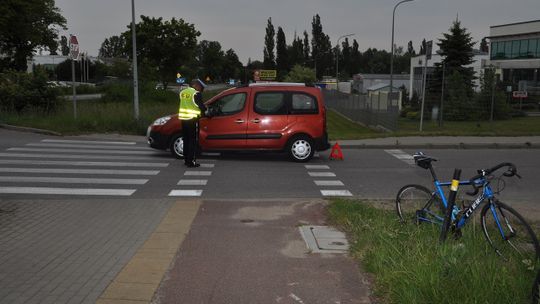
[
  {"x": 77, "y": 167},
  {"x": 195, "y": 178}
]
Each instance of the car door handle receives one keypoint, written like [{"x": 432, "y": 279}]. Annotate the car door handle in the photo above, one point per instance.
[
  {"x": 239, "y": 121},
  {"x": 256, "y": 120}
]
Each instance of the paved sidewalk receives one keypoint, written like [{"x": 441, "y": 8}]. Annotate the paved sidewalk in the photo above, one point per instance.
[{"x": 445, "y": 142}]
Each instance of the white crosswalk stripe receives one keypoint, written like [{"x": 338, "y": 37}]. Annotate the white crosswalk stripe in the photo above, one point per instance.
[
  {"x": 329, "y": 183},
  {"x": 83, "y": 151},
  {"x": 185, "y": 193},
  {"x": 105, "y": 147},
  {"x": 399, "y": 154},
  {"x": 66, "y": 162},
  {"x": 80, "y": 171},
  {"x": 321, "y": 174},
  {"x": 73, "y": 180},
  {"x": 198, "y": 173},
  {"x": 316, "y": 167},
  {"x": 89, "y": 142},
  {"x": 79, "y": 156},
  {"x": 66, "y": 191},
  {"x": 336, "y": 193},
  {"x": 81, "y": 163}
]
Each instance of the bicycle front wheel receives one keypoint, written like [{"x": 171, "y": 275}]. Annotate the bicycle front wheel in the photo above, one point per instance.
[
  {"x": 416, "y": 204},
  {"x": 509, "y": 234}
]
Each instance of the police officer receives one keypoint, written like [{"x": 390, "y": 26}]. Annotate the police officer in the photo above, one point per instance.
[{"x": 191, "y": 109}]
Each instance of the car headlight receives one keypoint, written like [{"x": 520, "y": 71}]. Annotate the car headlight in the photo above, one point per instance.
[{"x": 161, "y": 121}]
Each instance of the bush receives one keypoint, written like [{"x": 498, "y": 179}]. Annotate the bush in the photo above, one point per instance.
[{"x": 21, "y": 91}]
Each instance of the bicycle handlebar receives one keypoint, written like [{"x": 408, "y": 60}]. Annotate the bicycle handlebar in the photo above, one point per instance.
[{"x": 511, "y": 171}]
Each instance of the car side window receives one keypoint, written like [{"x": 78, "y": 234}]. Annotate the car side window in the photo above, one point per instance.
[
  {"x": 302, "y": 103},
  {"x": 270, "y": 103},
  {"x": 229, "y": 105}
]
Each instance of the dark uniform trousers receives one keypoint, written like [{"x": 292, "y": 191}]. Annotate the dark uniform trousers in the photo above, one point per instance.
[{"x": 189, "y": 132}]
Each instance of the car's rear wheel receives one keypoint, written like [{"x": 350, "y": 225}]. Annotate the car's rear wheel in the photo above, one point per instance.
[
  {"x": 177, "y": 146},
  {"x": 301, "y": 148}
]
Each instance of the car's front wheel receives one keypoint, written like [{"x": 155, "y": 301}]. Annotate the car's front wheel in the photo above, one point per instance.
[
  {"x": 177, "y": 146},
  {"x": 301, "y": 148}
]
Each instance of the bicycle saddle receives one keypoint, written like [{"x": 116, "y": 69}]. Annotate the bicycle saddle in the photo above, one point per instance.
[{"x": 422, "y": 160}]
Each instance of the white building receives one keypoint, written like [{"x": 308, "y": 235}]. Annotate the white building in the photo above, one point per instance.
[{"x": 515, "y": 52}]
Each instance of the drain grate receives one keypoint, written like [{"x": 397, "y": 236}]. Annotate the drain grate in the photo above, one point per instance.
[{"x": 324, "y": 239}]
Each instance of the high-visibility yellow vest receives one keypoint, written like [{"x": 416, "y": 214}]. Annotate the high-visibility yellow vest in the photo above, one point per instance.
[{"x": 188, "y": 108}]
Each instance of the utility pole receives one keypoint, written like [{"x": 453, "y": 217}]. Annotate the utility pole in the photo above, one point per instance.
[{"x": 135, "y": 81}]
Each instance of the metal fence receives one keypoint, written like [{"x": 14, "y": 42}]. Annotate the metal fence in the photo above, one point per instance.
[{"x": 374, "y": 110}]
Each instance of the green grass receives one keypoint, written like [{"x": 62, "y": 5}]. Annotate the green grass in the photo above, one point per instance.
[
  {"x": 102, "y": 116},
  {"x": 410, "y": 266},
  {"x": 340, "y": 127}
]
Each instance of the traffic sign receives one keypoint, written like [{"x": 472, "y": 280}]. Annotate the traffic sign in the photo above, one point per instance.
[
  {"x": 519, "y": 94},
  {"x": 73, "y": 47}
]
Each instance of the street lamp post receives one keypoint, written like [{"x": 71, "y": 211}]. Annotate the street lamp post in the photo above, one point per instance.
[
  {"x": 135, "y": 81},
  {"x": 337, "y": 59},
  {"x": 392, "y": 49}
]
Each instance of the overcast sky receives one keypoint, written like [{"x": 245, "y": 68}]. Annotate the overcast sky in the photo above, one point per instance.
[{"x": 240, "y": 24}]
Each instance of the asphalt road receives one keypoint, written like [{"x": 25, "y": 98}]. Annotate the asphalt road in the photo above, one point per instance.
[{"x": 32, "y": 164}]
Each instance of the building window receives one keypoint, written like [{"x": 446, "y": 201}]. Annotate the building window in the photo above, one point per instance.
[
  {"x": 515, "y": 49},
  {"x": 533, "y": 49},
  {"x": 524, "y": 47}
]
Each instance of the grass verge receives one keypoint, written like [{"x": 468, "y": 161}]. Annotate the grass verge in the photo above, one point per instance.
[{"x": 410, "y": 266}]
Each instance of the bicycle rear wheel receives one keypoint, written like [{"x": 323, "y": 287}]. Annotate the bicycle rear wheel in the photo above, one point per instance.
[
  {"x": 509, "y": 234},
  {"x": 415, "y": 204}
]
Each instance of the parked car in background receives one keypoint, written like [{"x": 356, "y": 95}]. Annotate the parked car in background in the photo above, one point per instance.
[{"x": 288, "y": 117}]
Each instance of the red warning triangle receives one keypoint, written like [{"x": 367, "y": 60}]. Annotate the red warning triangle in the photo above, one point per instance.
[{"x": 336, "y": 152}]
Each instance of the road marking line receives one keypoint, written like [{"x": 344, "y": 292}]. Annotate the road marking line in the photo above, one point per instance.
[
  {"x": 336, "y": 193},
  {"x": 185, "y": 193},
  {"x": 82, "y": 163},
  {"x": 68, "y": 156},
  {"x": 329, "y": 183},
  {"x": 198, "y": 173},
  {"x": 80, "y": 171},
  {"x": 315, "y": 167},
  {"x": 89, "y": 142},
  {"x": 192, "y": 182},
  {"x": 73, "y": 180},
  {"x": 399, "y": 154},
  {"x": 208, "y": 165},
  {"x": 66, "y": 191},
  {"x": 85, "y": 146},
  {"x": 321, "y": 174},
  {"x": 83, "y": 151}
]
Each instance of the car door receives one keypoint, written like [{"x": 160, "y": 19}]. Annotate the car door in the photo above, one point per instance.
[
  {"x": 267, "y": 119},
  {"x": 226, "y": 128}
]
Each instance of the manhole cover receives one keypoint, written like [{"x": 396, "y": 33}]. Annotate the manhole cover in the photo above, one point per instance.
[{"x": 324, "y": 239}]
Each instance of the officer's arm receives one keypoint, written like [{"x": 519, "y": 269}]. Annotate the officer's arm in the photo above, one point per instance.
[{"x": 199, "y": 102}]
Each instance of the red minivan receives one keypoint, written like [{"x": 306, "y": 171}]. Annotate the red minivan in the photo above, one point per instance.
[{"x": 288, "y": 117}]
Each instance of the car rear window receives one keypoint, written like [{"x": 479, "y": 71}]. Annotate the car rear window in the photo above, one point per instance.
[
  {"x": 270, "y": 103},
  {"x": 302, "y": 103}
]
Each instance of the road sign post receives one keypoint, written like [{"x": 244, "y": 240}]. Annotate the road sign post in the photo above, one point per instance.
[{"x": 74, "y": 55}]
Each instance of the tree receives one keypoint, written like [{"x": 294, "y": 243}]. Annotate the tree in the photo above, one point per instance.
[
  {"x": 232, "y": 67},
  {"x": 356, "y": 58},
  {"x": 282, "y": 60},
  {"x": 501, "y": 110},
  {"x": 321, "y": 48},
  {"x": 345, "y": 60},
  {"x": 24, "y": 26},
  {"x": 64, "y": 48},
  {"x": 423, "y": 47},
  {"x": 456, "y": 47},
  {"x": 296, "y": 52},
  {"x": 484, "y": 46},
  {"x": 210, "y": 58},
  {"x": 301, "y": 74},
  {"x": 269, "y": 44},
  {"x": 164, "y": 46},
  {"x": 114, "y": 47},
  {"x": 306, "y": 46}
]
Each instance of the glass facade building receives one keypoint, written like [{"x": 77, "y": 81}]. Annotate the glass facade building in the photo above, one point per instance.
[{"x": 515, "y": 49}]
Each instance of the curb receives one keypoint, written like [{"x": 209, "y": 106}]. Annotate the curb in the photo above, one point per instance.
[
  {"x": 463, "y": 146},
  {"x": 27, "y": 129}
]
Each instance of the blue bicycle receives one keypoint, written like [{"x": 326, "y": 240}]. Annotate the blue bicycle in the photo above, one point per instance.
[{"x": 504, "y": 228}]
